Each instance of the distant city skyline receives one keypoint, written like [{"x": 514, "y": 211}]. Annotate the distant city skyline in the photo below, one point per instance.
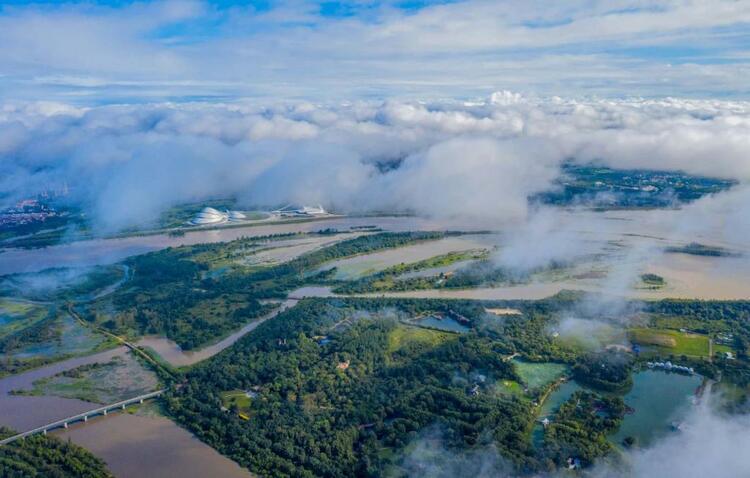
[{"x": 134, "y": 52}]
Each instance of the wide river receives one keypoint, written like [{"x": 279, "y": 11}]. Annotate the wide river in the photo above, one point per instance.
[
  {"x": 108, "y": 251},
  {"x": 135, "y": 446},
  {"x": 632, "y": 240}
]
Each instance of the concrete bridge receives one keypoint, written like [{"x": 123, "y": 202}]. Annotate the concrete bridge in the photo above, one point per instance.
[{"x": 83, "y": 416}]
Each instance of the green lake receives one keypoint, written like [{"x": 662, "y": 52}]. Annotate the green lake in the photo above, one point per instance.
[{"x": 658, "y": 398}]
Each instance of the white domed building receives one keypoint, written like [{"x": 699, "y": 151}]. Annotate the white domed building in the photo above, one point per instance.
[
  {"x": 209, "y": 215},
  {"x": 236, "y": 216}
]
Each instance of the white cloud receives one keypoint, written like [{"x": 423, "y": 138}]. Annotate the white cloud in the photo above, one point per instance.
[
  {"x": 479, "y": 159},
  {"x": 710, "y": 444},
  {"x": 181, "y": 49}
]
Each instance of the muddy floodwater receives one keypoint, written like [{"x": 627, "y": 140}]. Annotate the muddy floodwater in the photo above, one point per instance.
[
  {"x": 25, "y": 413},
  {"x": 630, "y": 242},
  {"x": 135, "y": 446},
  {"x": 109, "y": 251},
  {"x": 361, "y": 265}
]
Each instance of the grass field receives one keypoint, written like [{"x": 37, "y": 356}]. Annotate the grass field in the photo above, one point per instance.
[
  {"x": 508, "y": 387},
  {"x": 15, "y": 316},
  {"x": 237, "y": 398},
  {"x": 665, "y": 341},
  {"x": 586, "y": 335},
  {"x": 404, "y": 336},
  {"x": 538, "y": 375}
]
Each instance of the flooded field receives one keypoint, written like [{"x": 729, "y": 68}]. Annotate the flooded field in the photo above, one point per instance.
[
  {"x": 120, "y": 378},
  {"x": 24, "y": 412},
  {"x": 172, "y": 353},
  {"x": 288, "y": 249},
  {"x": 358, "y": 266},
  {"x": 702, "y": 287},
  {"x": 137, "y": 446}
]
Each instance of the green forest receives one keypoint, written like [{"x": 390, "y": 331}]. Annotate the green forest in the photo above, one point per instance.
[
  {"x": 171, "y": 292},
  {"x": 344, "y": 386}
]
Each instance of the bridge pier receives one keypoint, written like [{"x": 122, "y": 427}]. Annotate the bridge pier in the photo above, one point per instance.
[{"x": 65, "y": 422}]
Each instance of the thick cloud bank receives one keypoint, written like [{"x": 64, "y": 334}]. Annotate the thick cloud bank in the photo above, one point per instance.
[{"x": 126, "y": 164}]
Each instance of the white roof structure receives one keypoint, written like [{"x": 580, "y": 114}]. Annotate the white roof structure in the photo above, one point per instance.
[
  {"x": 234, "y": 216},
  {"x": 303, "y": 211},
  {"x": 209, "y": 215}
]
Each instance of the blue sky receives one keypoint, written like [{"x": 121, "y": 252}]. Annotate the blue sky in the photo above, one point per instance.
[{"x": 122, "y": 51}]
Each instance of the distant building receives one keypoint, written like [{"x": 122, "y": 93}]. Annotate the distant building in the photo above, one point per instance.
[
  {"x": 209, "y": 215},
  {"x": 670, "y": 367},
  {"x": 343, "y": 365},
  {"x": 235, "y": 216},
  {"x": 304, "y": 211}
]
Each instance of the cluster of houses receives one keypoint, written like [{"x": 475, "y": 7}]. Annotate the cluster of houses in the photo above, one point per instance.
[
  {"x": 26, "y": 211},
  {"x": 669, "y": 366},
  {"x": 725, "y": 339},
  {"x": 476, "y": 388}
]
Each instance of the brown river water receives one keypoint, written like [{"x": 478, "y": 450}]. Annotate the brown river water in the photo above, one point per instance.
[
  {"x": 25, "y": 413},
  {"x": 135, "y": 446},
  {"x": 108, "y": 251},
  {"x": 131, "y": 445}
]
